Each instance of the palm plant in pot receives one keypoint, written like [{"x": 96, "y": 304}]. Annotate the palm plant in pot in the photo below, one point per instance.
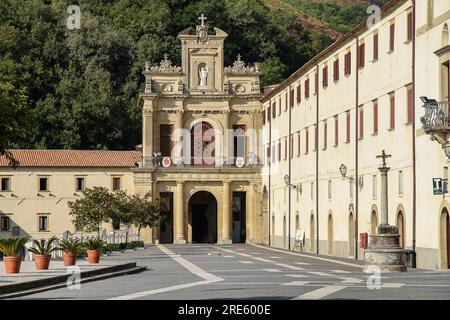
[
  {"x": 70, "y": 249},
  {"x": 10, "y": 248},
  {"x": 93, "y": 247},
  {"x": 42, "y": 252}
]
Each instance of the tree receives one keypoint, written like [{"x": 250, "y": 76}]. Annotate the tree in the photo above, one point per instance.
[
  {"x": 146, "y": 213},
  {"x": 15, "y": 119},
  {"x": 94, "y": 208}
]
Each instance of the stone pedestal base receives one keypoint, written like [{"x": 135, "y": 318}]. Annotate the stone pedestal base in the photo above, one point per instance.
[
  {"x": 226, "y": 241},
  {"x": 180, "y": 241},
  {"x": 384, "y": 251}
]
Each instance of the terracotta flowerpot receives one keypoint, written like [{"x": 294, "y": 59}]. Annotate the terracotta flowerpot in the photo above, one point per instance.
[
  {"x": 93, "y": 256},
  {"x": 12, "y": 264},
  {"x": 70, "y": 258},
  {"x": 42, "y": 261}
]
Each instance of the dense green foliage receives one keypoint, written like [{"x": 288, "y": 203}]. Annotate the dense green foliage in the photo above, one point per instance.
[{"x": 83, "y": 84}]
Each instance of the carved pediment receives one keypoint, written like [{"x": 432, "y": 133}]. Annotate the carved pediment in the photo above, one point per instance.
[
  {"x": 165, "y": 66},
  {"x": 239, "y": 67}
]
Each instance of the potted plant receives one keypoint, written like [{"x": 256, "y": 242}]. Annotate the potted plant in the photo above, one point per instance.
[
  {"x": 10, "y": 248},
  {"x": 93, "y": 247},
  {"x": 70, "y": 249},
  {"x": 42, "y": 252}
]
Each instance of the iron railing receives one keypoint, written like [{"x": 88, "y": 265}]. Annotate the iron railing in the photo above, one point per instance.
[{"x": 436, "y": 116}]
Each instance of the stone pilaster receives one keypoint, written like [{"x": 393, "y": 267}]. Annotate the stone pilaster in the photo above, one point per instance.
[
  {"x": 147, "y": 132},
  {"x": 251, "y": 214}
]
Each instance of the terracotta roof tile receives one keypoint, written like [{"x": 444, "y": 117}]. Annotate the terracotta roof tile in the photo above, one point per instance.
[{"x": 73, "y": 158}]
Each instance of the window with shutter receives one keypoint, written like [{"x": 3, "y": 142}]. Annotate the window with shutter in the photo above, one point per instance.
[
  {"x": 286, "y": 101},
  {"x": 274, "y": 110},
  {"x": 325, "y": 135},
  {"x": 292, "y": 98},
  {"x": 298, "y": 144},
  {"x": 291, "y": 146},
  {"x": 316, "y": 83},
  {"x": 264, "y": 116},
  {"x": 306, "y": 141},
  {"x": 279, "y": 150},
  {"x": 325, "y": 77},
  {"x": 348, "y": 63},
  {"x": 165, "y": 139},
  {"x": 375, "y": 46},
  {"x": 299, "y": 93},
  {"x": 410, "y": 106},
  {"x": 375, "y": 117},
  {"x": 392, "y": 37},
  {"x": 336, "y": 70},
  {"x": 268, "y": 154},
  {"x": 362, "y": 56},
  {"x": 274, "y": 154},
  {"x": 315, "y": 137},
  {"x": 269, "y": 110},
  {"x": 392, "y": 112}
]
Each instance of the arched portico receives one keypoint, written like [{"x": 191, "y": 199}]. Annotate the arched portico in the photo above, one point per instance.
[{"x": 202, "y": 217}]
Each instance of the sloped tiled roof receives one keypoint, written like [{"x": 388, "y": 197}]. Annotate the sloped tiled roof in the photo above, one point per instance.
[{"x": 73, "y": 158}]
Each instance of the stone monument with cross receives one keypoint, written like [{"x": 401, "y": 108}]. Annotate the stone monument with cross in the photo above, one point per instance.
[{"x": 384, "y": 248}]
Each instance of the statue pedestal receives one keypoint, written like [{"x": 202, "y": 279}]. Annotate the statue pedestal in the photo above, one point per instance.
[{"x": 384, "y": 251}]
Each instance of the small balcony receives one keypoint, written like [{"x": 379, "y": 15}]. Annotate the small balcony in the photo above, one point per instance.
[{"x": 436, "y": 121}]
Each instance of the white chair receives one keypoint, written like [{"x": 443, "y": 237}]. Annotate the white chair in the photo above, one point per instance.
[{"x": 299, "y": 240}]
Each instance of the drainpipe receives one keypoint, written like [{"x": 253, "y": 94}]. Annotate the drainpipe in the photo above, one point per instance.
[
  {"x": 270, "y": 165},
  {"x": 357, "y": 149},
  {"x": 289, "y": 169},
  {"x": 317, "y": 157},
  {"x": 414, "y": 125}
]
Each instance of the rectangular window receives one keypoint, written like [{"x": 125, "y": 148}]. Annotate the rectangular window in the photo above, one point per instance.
[
  {"x": 285, "y": 148},
  {"x": 392, "y": 111},
  {"x": 330, "y": 195},
  {"x": 336, "y": 70},
  {"x": 165, "y": 139},
  {"x": 43, "y": 223},
  {"x": 286, "y": 101},
  {"x": 325, "y": 77},
  {"x": 116, "y": 183},
  {"x": 6, "y": 184},
  {"x": 274, "y": 110},
  {"x": 307, "y": 88},
  {"x": 268, "y": 154},
  {"x": 325, "y": 135},
  {"x": 264, "y": 117},
  {"x": 279, "y": 150},
  {"x": 43, "y": 184},
  {"x": 362, "y": 55},
  {"x": 410, "y": 112},
  {"x": 375, "y": 117},
  {"x": 361, "y": 122},
  {"x": 392, "y": 37},
  {"x": 5, "y": 223},
  {"x": 307, "y": 141},
  {"x": 375, "y": 46},
  {"x": 274, "y": 154},
  {"x": 336, "y": 130},
  {"x": 291, "y": 146},
  {"x": 279, "y": 105},
  {"x": 315, "y": 137},
  {"x": 316, "y": 82},
  {"x": 374, "y": 187},
  {"x": 400, "y": 182},
  {"x": 347, "y": 137},
  {"x": 312, "y": 190},
  {"x": 348, "y": 64},
  {"x": 269, "y": 111},
  {"x": 299, "y": 93},
  {"x": 79, "y": 184},
  {"x": 298, "y": 144},
  {"x": 350, "y": 188},
  {"x": 410, "y": 27},
  {"x": 292, "y": 98},
  {"x": 239, "y": 140}
]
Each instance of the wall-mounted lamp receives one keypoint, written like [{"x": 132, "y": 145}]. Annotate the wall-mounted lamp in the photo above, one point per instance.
[{"x": 343, "y": 169}]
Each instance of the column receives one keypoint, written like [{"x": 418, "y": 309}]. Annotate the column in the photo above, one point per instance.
[
  {"x": 251, "y": 213},
  {"x": 147, "y": 135},
  {"x": 226, "y": 214},
  {"x": 179, "y": 215},
  {"x": 384, "y": 196}
]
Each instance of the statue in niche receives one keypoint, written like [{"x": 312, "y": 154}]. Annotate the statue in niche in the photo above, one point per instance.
[{"x": 203, "y": 75}]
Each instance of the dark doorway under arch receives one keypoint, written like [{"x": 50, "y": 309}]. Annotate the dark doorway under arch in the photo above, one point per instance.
[{"x": 203, "y": 217}]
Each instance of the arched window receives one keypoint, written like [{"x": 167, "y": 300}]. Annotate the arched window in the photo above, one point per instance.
[
  {"x": 401, "y": 228},
  {"x": 373, "y": 222},
  {"x": 445, "y": 37}
]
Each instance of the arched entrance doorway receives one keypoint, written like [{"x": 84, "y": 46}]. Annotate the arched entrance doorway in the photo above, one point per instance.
[
  {"x": 351, "y": 236},
  {"x": 203, "y": 151},
  {"x": 445, "y": 239},
  {"x": 330, "y": 235},
  {"x": 203, "y": 217},
  {"x": 401, "y": 228}
]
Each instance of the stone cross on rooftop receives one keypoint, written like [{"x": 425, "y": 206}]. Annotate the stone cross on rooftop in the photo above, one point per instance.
[
  {"x": 202, "y": 18},
  {"x": 384, "y": 156}
]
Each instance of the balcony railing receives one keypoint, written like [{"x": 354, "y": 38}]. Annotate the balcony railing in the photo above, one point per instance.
[
  {"x": 158, "y": 162},
  {"x": 436, "y": 116}
]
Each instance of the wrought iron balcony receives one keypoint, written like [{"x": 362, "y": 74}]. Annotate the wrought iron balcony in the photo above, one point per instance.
[{"x": 436, "y": 119}]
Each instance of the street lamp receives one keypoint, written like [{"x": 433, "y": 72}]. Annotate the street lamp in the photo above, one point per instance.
[{"x": 343, "y": 170}]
